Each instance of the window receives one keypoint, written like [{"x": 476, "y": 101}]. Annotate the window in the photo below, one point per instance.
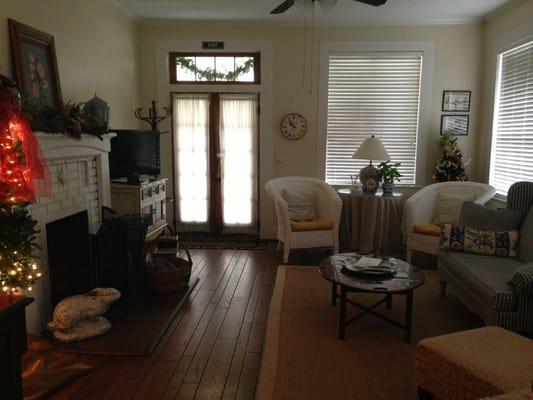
[
  {"x": 512, "y": 133},
  {"x": 220, "y": 68},
  {"x": 372, "y": 93}
]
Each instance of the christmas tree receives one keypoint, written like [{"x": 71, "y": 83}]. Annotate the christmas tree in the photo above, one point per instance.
[
  {"x": 450, "y": 166},
  {"x": 22, "y": 173}
]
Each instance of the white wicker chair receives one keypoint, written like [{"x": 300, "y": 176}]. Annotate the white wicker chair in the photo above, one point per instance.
[
  {"x": 328, "y": 206},
  {"x": 422, "y": 208}
]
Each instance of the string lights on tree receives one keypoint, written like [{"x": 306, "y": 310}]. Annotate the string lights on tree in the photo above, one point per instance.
[{"x": 23, "y": 176}]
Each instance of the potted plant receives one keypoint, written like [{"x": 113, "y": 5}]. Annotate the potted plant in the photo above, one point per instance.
[{"x": 388, "y": 172}]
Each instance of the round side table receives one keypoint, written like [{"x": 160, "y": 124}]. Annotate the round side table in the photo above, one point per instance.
[{"x": 371, "y": 223}]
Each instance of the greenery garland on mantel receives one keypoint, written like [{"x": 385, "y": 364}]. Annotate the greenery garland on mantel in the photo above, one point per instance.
[
  {"x": 70, "y": 121},
  {"x": 209, "y": 74}
]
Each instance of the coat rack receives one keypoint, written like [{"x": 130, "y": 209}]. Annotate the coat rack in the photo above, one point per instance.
[{"x": 153, "y": 118}]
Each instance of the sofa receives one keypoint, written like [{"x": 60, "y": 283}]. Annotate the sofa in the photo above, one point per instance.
[{"x": 497, "y": 289}]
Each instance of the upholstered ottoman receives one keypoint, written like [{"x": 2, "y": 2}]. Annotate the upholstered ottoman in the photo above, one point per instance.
[{"x": 473, "y": 364}]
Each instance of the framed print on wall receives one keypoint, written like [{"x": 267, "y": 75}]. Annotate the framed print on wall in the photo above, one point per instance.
[
  {"x": 456, "y": 100},
  {"x": 35, "y": 66},
  {"x": 454, "y": 124}
]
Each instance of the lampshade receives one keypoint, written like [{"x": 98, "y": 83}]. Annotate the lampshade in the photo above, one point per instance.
[
  {"x": 327, "y": 5},
  {"x": 371, "y": 149}
]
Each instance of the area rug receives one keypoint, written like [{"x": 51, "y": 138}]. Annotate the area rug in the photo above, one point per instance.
[
  {"x": 139, "y": 322},
  {"x": 304, "y": 359}
]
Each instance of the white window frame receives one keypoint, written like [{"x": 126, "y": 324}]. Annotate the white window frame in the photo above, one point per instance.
[
  {"x": 426, "y": 89},
  {"x": 495, "y": 106}
]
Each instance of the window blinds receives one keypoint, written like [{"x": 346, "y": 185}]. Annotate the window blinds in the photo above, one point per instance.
[
  {"x": 512, "y": 140},
  {"x": 372, "y": 93}
]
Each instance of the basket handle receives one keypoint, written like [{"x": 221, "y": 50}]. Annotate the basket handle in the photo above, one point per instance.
[{"x": 184, "y": 247}]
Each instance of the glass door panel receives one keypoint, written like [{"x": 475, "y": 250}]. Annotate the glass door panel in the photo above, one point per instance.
[
  {"x": 238, "y": 162},
  {"x": 191, "y": 149}
]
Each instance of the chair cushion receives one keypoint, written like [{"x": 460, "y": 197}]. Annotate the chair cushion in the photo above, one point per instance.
[
  {"x": 301, "y": 202},
  {"x": 316, "y": 224},
  {"x": 449, "y": 207},
  {"x": 480, "y": 217},
  {"x": 486, "y": 276},
  {"x": 427, "y": 229},
  {"x": 469, "y": 240}
]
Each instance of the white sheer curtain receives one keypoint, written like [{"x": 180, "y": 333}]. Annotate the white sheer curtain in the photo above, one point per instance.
[
  {"x": 238, "y": 144},
  {"x": 191, "y": 130}
]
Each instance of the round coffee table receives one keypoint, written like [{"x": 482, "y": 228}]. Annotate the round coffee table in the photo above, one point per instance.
[{"x": 404, "y": 283}]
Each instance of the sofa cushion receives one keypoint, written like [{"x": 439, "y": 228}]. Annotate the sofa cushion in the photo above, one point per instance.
[
  {"x": 301, "y": 202},
  {"x": 427, "y": 229},
  {"x": 469, "y": 240},
  {"x": 317, "y": 224},
  {"x": 486, "y": 276},
  {"x": 526, "y": 238},
  {"x": 480, "y": 217}
]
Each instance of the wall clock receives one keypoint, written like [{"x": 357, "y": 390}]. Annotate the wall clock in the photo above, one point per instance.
[{"x": 293, "y": 126}]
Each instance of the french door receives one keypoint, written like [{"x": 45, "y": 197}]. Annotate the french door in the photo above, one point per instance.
[{"x": 216, "y": 162}]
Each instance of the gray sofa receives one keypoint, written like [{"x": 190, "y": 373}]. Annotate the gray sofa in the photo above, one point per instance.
[{"x": 498, "y": 289}]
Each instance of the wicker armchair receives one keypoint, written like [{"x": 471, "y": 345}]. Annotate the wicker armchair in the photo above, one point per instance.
[
  {"x": 422, "y": 209},
  {"x": 328, "y": 206}
]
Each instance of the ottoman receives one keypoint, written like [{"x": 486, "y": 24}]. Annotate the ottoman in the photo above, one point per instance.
[{"x": 473, "y": 364}]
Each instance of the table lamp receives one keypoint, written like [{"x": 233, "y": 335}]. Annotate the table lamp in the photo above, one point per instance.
[{"x": 370, "y": 149}]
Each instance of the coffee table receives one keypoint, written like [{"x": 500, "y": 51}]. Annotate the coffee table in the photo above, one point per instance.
[{"x": 401, "y": 286}]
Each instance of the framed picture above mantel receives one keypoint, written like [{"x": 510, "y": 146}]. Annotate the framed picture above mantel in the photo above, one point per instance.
[{"x": 35, "y": 65}]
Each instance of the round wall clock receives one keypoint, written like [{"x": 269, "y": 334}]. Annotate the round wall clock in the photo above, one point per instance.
[{"x": 293, "y": 126}]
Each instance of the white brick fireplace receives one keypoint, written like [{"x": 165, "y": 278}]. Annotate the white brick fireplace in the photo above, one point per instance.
[{"x": 79, "y": 170}]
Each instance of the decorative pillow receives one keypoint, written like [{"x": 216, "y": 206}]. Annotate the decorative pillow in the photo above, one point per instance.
[
  {"x": 480, "y": 217},
  {"x": 301, "y": 203},
  {"x": 450, "y": 207},
  {"x": 469, "y": 240}
]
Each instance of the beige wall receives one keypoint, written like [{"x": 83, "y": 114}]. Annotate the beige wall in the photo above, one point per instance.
[
  {"x": 503, "y": 28},
  {"x": 457, "y": 65},
  {"x": 95, "y": 45}
]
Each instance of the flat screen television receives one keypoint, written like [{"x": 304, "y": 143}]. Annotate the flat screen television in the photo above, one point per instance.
[{"x": 134, "y": 153}]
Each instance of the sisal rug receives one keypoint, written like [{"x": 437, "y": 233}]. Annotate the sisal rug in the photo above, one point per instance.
[{"x": 304, "y": 359}]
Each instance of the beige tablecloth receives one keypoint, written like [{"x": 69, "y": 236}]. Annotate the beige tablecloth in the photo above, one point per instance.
[{"x": 371, "y": 224}]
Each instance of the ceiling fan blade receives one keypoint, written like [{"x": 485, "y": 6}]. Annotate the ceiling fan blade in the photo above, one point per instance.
[
  {"x": 375, "y": 3},
  {"x": 283, "y": 7}
]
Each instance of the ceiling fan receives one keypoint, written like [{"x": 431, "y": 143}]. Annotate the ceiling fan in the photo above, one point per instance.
[{"x": 323, "y": 3}]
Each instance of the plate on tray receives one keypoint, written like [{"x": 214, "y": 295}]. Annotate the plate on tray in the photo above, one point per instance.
[{"x": 385, "y": 268}]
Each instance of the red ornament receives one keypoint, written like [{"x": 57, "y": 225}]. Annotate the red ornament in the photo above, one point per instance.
[{"x": 23, "y": 174}]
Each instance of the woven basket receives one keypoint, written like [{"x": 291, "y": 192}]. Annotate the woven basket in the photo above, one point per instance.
[{"x": 168, "y": 274}]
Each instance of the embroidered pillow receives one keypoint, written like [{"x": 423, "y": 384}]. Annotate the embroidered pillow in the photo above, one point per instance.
[{"x": 469, "y": 240}]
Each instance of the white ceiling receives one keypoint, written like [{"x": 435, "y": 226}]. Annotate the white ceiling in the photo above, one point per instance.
[{"x": 345, "y": 12}]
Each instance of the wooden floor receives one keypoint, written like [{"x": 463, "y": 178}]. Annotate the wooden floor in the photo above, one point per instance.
[{"x": 212, "y": 349}]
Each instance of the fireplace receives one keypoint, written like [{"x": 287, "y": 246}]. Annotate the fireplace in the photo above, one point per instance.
[
  {"x": 69, "y": 256},
  {"x": 79, "y": 170}
]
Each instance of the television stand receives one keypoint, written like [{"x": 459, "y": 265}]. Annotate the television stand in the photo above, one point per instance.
[{"x": 145, "y": 198}]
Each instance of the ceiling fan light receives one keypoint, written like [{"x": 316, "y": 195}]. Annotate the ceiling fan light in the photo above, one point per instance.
[{"x": 327, "y": 5}]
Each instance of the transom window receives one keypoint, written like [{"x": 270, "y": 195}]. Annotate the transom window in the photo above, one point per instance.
[
  {"x": 512, "y": 134},
  {"x": 214, "y": 68}
]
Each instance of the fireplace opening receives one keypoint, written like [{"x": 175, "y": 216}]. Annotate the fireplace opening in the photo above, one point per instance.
[{"x": 69, "y": 256}]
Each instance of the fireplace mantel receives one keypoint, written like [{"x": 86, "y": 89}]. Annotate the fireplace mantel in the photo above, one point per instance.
[{"x": 56, "y": 146}]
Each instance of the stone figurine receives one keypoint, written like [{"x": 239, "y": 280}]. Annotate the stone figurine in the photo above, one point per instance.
[{"x": 80, "y": 317}]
